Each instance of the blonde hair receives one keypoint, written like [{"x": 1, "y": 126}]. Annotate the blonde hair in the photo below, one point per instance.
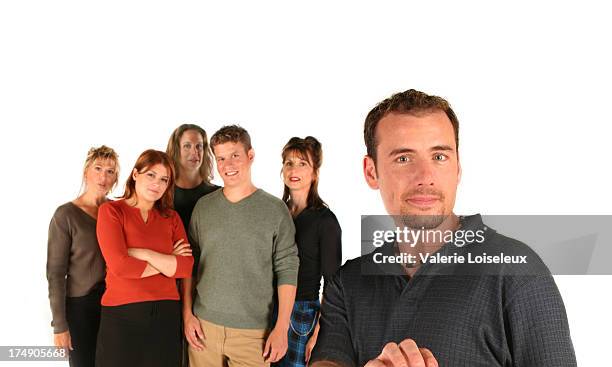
[{"x": 101, "y": 153}]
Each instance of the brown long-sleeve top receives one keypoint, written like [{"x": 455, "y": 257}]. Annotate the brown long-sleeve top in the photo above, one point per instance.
[{"x": 74, "y": 261}]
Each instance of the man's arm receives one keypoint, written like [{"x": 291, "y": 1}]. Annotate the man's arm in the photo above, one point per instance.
[
  {"x": 538, "y": 329},
  {"x": 191, "y": 325},
  {"x": 334, "y": 346},
  {"x": 276, "y": 345},
  {"x": 285, "y": 264},
  {"x": 286, "y": 298}
]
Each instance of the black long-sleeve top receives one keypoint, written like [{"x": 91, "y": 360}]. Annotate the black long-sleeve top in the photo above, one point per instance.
[{"x": 319, "y": 240}]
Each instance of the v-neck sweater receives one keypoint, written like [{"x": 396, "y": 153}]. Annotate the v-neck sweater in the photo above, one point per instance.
[{"x": 74, "y": 262}]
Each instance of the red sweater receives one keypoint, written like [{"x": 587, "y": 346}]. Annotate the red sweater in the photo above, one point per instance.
[{"x": 120, "y": 227}]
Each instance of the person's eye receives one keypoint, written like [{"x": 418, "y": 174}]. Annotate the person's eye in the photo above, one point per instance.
[
  {"x": 200, "y": 147},
  {"x": 302, "y": 164},
  {"x": 402, "y": 159},
  {"x": 98, "y": 168},
  {"x": 164, "y": 180},
  {"x": 440, "y": 157},
  {"x": 150, "y": 174},
  {"x": 235, "y": 155},
  {"x": 111, "y": 171}
]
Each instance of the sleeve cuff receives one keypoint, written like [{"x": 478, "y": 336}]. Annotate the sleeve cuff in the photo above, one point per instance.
[
  {"x": 59, "y": 327},
  {"x": 286, "y": 277},
  {"x": 184, "y": 267}
]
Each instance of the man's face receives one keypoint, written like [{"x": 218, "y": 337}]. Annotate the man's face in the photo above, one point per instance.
[
  {"x": 417, "y": 167},
  {"x": 233, "y": 163}
]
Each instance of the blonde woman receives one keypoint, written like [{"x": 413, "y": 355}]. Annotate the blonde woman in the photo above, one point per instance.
[{"x": 75, "y": 266}]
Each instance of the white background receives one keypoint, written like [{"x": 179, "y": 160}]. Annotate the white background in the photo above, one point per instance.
[{"x": 529, "y": 81}]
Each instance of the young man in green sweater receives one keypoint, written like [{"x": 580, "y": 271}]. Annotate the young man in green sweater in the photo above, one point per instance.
[{"x": 247, "y": 242}]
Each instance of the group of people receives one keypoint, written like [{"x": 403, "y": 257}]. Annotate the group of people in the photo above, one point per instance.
[{"x": 180, "y": 271}]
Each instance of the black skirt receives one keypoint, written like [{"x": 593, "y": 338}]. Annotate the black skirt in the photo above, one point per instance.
[{"x": 140, "y": 334}]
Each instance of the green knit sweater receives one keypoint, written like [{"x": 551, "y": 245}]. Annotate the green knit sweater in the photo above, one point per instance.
[{"x": 247, "y": 249}]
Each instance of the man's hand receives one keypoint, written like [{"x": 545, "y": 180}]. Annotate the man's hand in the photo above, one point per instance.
[
  {"x": 406, "y": 354},
  {"x": 276, "y": 345},
  {"x": 193, "y": 332}
]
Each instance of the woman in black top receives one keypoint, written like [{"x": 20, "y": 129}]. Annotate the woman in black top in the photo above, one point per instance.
[
  {"x": 188, "y": 147},
  {"x": 318, "y": 237}
]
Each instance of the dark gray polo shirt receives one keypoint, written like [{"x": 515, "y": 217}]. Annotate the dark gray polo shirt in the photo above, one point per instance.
[{"x": 489, "y": 315}]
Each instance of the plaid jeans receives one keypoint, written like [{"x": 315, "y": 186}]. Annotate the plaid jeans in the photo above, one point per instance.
[{"x": 303, "y": 322}]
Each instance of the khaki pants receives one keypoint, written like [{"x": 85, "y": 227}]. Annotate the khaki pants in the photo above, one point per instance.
[{"x": 224, "y": 346}]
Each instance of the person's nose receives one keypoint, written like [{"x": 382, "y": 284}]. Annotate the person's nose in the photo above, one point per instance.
[
  {"x": 424, "y": 175},
  {"x": 103, "y": 176},
  {"x": 156, "y": 182}
]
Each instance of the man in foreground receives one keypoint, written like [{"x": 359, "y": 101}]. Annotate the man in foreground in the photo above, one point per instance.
[{"x": 424, "y": 314}]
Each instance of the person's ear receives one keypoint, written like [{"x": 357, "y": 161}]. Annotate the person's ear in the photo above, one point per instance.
[
  {"x": 134, "y": 173},
  {"x": 369, "y": 172},
  {"x": 458, "y": 171},
  {"x": 251, "y": 154}
]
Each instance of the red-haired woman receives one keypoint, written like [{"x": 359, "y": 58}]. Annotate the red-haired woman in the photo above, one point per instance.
[
  {"x": 145, "y": 247},
  {"x": 318, "y": 237},
  {"x": 75, "y": 267}
]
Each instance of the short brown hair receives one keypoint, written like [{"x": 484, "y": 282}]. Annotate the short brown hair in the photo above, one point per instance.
[
  {"x": 146, "y": 160},
  {"x": 174, "y": 150},
  {"x": 231, "y": 134},
  {"x": 407, "y": 102}
]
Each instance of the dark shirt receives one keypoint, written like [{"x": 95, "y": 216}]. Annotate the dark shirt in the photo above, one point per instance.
[
  {"x": 186, "y": 199},
  {"x": 319, "y": 240},
  {"x": 184, "y": 202},
  {"x": 515, "y": 317}
]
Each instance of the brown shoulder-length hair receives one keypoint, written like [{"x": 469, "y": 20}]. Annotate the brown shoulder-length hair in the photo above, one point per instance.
[
  {"x": 145, "y": 161},
  {"x": 308, "y": 149},
  {"x": 174, "y": 151}
]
